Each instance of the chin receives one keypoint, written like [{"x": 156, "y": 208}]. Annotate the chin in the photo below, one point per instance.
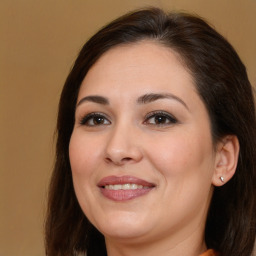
[{"x": 123, "y": 226}]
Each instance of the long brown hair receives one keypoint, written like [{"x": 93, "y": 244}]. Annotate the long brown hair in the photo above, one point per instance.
[{"x": 223, "y": 86}]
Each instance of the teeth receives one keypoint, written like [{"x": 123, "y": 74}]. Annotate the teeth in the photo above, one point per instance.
[{"x": 125, "y": 186}]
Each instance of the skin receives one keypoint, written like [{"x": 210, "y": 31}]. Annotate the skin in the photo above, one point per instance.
[{"x": 177, "y": 156}]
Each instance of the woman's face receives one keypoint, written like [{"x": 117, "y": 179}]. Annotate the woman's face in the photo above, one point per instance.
[{"x": 141, "y": 150}]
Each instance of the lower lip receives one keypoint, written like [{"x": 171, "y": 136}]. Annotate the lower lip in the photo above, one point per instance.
[{"x": 124, "y": 195}]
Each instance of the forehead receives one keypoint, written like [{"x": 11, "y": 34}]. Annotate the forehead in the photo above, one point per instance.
[{"x": 144, "y": 64}]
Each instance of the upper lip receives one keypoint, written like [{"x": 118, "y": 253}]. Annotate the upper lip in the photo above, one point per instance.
[{"x": 114, "y": 180}]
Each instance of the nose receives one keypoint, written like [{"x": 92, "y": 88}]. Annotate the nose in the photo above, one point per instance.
[{"x": 123, "y": 146}]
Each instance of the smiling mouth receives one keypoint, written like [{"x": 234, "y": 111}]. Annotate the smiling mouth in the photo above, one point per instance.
[{"x": 124, "y": 188}]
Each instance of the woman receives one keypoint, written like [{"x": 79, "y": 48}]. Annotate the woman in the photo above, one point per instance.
[{"x": 156, "y": 149}]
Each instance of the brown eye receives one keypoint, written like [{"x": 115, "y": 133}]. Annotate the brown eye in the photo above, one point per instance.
[
  {"x": 160, "y": 119},
  {"x": 97, "y": 120},
  {"x": 94, "y": 119}
]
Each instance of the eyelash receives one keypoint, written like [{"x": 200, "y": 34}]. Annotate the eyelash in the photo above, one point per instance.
[
  {"x": 162, "y": 114},
  {"x": 103, "y": 120},
  {"x": 92, "y": 117}
]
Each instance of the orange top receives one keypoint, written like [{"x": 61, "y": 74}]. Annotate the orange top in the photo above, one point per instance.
[{"x": 210, "y": 252}]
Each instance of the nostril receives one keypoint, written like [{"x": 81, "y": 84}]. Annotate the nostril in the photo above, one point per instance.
[
  {"x": 108, "y": 160},
  {"x": 120, "y": 161},
  {"x": 125, "y": 159}
]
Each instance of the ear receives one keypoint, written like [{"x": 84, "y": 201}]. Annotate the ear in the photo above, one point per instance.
[{"x": 226, "y": 160}]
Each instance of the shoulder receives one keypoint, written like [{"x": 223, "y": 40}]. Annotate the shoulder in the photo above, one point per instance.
[{"x": 210, "y": 252}]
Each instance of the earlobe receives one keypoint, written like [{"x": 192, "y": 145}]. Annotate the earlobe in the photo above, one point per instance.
[{"x": 226, "y": 160}]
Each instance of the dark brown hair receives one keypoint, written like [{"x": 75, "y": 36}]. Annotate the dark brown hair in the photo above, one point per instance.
[{"x": 223, "y": 86}]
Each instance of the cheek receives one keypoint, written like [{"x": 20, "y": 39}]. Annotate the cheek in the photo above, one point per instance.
[
  {"x": 183, "y": 155},
  {"x": 186, "y": 166},
  {"x": 83, "y": 154},
  {"x": 84, "y": 160}
]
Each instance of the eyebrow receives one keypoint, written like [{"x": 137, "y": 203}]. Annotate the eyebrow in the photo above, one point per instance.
[
  {"x": 144, "y": 99},
  {"x": 95, "y": 99},
  {"x": 151, "y": 97}
]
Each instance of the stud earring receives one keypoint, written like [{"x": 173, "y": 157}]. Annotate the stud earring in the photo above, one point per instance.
[{"x": 222, "y": 179}]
